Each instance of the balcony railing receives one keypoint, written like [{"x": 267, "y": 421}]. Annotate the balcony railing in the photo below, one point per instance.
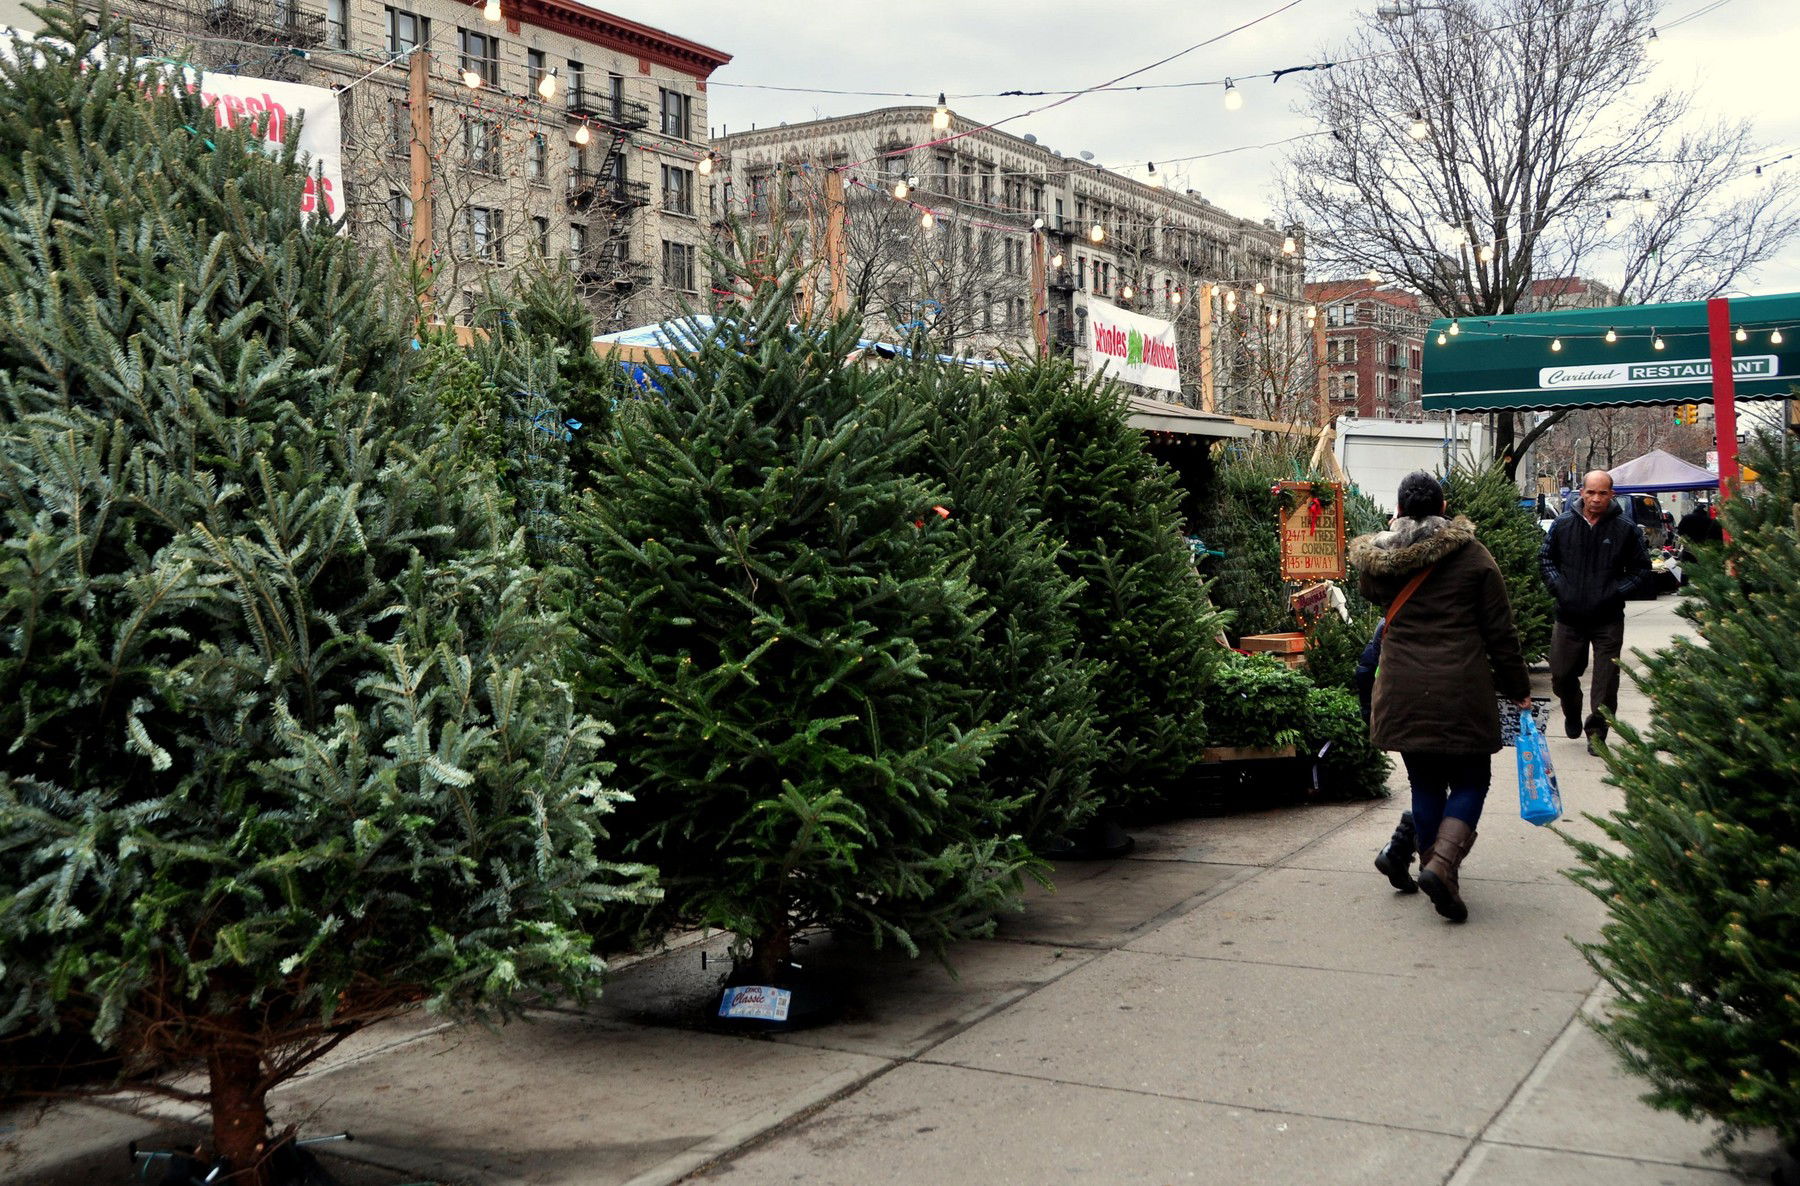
[
  {"x": 601, "y": 267},
  {"x": 622, "y": 113},
  {"x": 286, "y": 19},
  {"x": 589, "y": 188},
  {"x": 1061, "y": 278}
]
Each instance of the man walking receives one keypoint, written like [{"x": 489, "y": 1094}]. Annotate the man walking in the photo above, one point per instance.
[{"x": 1593, "y": 559}]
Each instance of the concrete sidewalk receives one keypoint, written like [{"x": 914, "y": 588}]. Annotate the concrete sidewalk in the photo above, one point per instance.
[{"x": 1242, "y": 1000}]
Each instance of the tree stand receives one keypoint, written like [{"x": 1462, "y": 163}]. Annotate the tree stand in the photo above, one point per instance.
[{"x": 1100, "y": 839}]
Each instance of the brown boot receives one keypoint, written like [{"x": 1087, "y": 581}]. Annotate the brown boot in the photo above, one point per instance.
[{"x": 1438, "y": 877}]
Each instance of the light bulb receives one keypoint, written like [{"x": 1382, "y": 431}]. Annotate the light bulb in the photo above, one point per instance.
[
  {"x": 1442, "y": 340},
  {"x": 1775, "y": 337},
  {"x": 1056, "y": 261},
  {"x": 927, "y": 220},
  {"x": 1455, "y": 328},
  {"x": 1271, "y": 319},
  {"x": 1126, "y": 292},
  {"x": 1486, "y": 254},
  {"x": 1098, "y": 233},
  {"x": 471, "y": 80},
  {"x": 582, "y": 135},
  {"x": 1153, "y": 179},
  {"x": 940, "y": 119},
  {"x": 1234, "y": 98},
  {"x": 1260, "y": 288},
  {"x": 1646, "y": 204},
  {"x": 1419, "y": 129},
  {"x": 1742, "y": 334},
  {"x": 705, "y": 166},
  {"x": 900, "y": 190},
  {"x": 1230, "y": 300},
  {"x": 1372, "y": 276},
  {"x": 1175, "y": 297},
  {"x": 1288, "y": 246},
  {"x": 1612, "y": 335},
  {"x": 546, "y": 87},
  {"x": 1312, "y": 312},
  {"x": 1556, "y": 344},
  {"x": 1658, "y": 343},
  {"x": 1211, "y": 289},
  {"x": 1611, "y": 224},
  {"x": 491, "y": 10}
]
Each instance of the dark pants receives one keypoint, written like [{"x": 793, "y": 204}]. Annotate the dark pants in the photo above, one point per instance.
[
  {"x": 1569, "y": 647},
  {"x": 1453, "y": 785}
]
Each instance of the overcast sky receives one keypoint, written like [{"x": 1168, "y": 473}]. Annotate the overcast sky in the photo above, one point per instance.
[{"x": 1740, "y": 58}]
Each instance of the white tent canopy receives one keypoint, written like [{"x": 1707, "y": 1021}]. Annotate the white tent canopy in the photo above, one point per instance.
[{"x": 1657, "y": 471}]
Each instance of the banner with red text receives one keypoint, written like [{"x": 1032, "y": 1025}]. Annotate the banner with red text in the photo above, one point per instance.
[{"x": 1132, "y": 347}]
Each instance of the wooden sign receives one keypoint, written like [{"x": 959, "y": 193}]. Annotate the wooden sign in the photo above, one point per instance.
[{"x": 1312, "y": 531}]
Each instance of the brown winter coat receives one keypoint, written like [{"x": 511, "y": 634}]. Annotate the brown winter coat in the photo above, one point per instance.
[{"x": 1450, "y": 646}]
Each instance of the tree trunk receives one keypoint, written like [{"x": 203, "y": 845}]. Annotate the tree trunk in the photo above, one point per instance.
[
  {"x": 770, "y": 954},
  {"x": 240, "y": 1112}
]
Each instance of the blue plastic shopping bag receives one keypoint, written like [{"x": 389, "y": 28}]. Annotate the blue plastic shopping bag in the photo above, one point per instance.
[{"x": 1539, "y": 800}]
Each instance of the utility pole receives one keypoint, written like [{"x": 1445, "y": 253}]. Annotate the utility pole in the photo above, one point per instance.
[
  {"x": 418, "y": 94},
  {"x": 1208, "y": 402},
  {"x": 1040, "y": 296},
  {"x": 835, "y": 256}
]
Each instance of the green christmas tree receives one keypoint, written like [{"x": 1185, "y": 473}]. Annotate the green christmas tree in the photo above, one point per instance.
[
  {"x": 1143, "y": 613},
  {"x": 288, "y": 746},
  {"x": 774, "y": 625},
  {"x": 1702, "y": 940},
  {"x": 1026, "y": 664},
  {"x": 1490, "y": 500}
]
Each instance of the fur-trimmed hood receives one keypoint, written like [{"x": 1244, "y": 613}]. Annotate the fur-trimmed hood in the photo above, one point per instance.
[{"x": 1410, "y": 544}]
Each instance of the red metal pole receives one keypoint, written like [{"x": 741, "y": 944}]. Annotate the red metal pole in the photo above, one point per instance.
[{"x": 1718, "y": 332}]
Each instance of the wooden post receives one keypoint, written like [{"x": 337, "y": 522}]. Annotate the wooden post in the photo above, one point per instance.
[
  {"x": 418, "y": 95},
  {"x": 1208, "y": 402},
  {"x": 835, "y": 258},
  {"x": 1323, "y": 375},
  {"x": 1040, "y": 296}
]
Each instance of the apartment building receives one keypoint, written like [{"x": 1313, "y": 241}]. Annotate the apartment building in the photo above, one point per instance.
[
  {"x": 559, "y": 132},
  {"x": 940, "y": 231},
  {"x": 1374, "y": 346}
]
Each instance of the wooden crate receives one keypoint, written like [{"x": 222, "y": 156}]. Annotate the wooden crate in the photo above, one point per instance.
[
  {"x": 1278, "y": 644},
  {"x": 1245, "y": 753}
]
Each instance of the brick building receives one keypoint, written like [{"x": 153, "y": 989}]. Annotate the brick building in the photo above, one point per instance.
[{"x": 1374, "y": 345}]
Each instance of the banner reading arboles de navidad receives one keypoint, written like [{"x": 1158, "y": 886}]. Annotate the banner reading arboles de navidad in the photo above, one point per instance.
[{"x": 1132, "y": 347}]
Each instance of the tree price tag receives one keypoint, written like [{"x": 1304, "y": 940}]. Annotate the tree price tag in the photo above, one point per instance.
[{"x": 755, "y": 1001}]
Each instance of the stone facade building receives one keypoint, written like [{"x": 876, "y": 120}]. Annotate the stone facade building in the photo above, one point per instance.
[
  {"x": 598, "y": 170},
  {"x": 940, "y": 231}
]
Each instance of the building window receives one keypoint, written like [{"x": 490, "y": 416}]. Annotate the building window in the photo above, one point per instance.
[
  {"x": 578, "y": 95},
  {"x": 678, "y": 266},
  {"x": 678, "y": 190},
  {"x": 534, "y": 68},
  {"x": 759, "y": 193},
  {"x": 337, "y": 24},
  {"x": 481, "y": 141},
  {"x": 1349, "y": 382},
  {"x": 577, "y": 240},
  {"x": 675, "y": 111},
  {"x": 537, "y": 158},
  {"x": 399, "y": 127},
  {"x": 1059, "y": 214},
  {"x": 541, "y": 236},
  {"x": 480, "y": 55},
  {"x": 400, "y": 212},
  {"x": 406, "y": 30},
  {"x": 615, "y": 94},
  {"x": 485, "y": 234}
]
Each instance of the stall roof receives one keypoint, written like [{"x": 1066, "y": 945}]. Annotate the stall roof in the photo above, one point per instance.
[
  {"x": 1154, "y": 415},
  {"x": 1563, "y": 360},
  {"x": 1656, "y": 471}
]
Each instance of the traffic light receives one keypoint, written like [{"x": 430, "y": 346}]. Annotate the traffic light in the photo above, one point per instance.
[{"x": 1687, "y": 413}]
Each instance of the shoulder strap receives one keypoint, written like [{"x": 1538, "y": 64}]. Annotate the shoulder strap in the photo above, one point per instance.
[{"x": 1411, "y": 586}]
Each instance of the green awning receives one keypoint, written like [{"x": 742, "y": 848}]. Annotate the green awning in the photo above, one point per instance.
[{"x": 1564, "y": 360}]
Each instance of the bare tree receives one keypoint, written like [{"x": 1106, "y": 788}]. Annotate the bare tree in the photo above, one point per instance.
[{"x": 1478, "y": 145}]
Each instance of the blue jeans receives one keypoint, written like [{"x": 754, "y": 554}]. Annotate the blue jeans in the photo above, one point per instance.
[{"x": 1454, "y": 785}]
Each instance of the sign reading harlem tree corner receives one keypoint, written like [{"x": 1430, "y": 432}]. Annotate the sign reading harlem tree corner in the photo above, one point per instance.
[
  {"x": 1132, "y": 348},
  {"x": 1312, "y": 531}
]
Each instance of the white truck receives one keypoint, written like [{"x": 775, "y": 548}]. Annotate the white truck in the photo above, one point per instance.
[{"x": 1376, "y": 454}]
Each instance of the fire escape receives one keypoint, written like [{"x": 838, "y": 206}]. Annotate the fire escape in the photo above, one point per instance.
[{"x": 609, "y": 188}]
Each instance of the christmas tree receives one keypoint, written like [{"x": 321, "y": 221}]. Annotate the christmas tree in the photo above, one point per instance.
[
  {"x": 1490, "y": 500},
  {"x": 1143, "y": 613},
  {"x": 1026, "y": 664},
  {"x": 288, "y": 744},
  {"x": 775, "y": 627},
  {"x": 1702, "y": 942}
]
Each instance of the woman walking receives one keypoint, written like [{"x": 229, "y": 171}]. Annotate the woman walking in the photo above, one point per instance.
[{"x": 1450, "y": 644}]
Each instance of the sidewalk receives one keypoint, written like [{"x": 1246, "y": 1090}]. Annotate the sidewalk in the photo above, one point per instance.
[{"x": 1244, "y": 1000}]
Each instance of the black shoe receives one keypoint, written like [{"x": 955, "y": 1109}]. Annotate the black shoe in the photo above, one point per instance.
[
  {"x": 1395, "y": 858},
  {"x": 1571, "y": 718}
]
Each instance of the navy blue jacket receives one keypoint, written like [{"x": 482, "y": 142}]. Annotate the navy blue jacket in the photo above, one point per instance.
[{"x": 1592, "y": 569}]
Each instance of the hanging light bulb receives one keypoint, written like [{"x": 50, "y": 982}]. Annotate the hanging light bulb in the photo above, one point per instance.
[
  {"x": 1556, "y": 345},
  {"x": 491, "y": 10},
  {"x": 1455, "y": 327},
  {"x": 471, "y": 80},
  {"x": 582, "y": 135},
  {"x": 1612, "y": 335},
  {"x": 546, "y": 87},
  {"x": 705, "y": 166},
  {"x": 1418, "y": 129},
  {"x": 1775, "y": 338},
  {"x": 1056, "y": 261},
  {"x": 1658, "y": 342},
  {"x": 1153, "y": 179},
  {"x": 1611, "y": 224},
  {"x": 1372, "y": 276},
  {"x": 1442, "y": 340},
  {"x": 927, "y": 220},
  {"x": 1260, "y": 288},
  {"x": 1288, "y": 246},
  {"x": 1312, "y": 313},
  {"x": 1742, "y": 335},
  {"x": 901, "y": 190},
  {"x": 1175, "y": 297},
  {"x": 1486, "y": 254},
  {"x": 1234, "y": 98},
  {"x": 1211, "y": 290},
  {"x": 1231, "y": 300},
  {"x": 1097, "y": 233},
  {"x": 940, "y": 119},
  {"x": 1646, "y": 204},
  {"x": 1126, "y": 291},
  {"x": 1271, "y": 319}
]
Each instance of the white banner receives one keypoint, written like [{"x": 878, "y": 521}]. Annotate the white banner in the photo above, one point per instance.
[{"x": 1132, "y": 347}]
